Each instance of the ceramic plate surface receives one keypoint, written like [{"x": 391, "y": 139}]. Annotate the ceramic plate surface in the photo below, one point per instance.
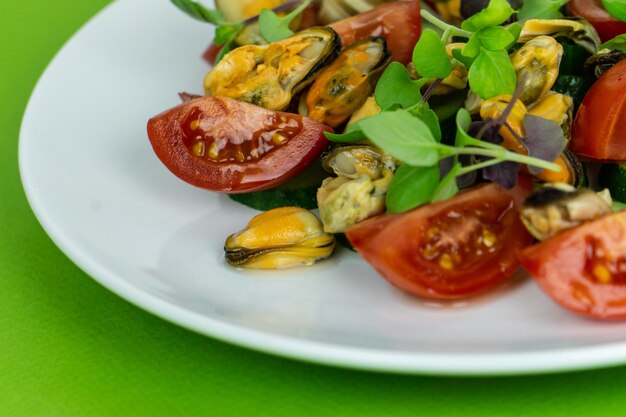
[{"x": 101, "y": 194}]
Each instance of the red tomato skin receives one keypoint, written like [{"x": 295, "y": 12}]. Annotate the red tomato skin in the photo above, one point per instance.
[
  {"x": 594, "y": 12},
  {"x": 166, "y": 135},
  {"x": 558, "y": 266},
  {"x": 211, "y": 53},
  {"x": 599, "y": 129},
  {"x": 392, "y": 244},
  {"x": 399, "y": 22}
]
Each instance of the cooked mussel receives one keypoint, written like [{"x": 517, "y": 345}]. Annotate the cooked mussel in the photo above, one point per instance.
[
  {"x": 280, "y": 238},
  {"x": 598, "y": 64},
  {"x": 554, "y": 208},
  {"x": 576, "y": 29},
  {"x": 552, "y": 106},
  {"x": 269, "y": 75},
  {"x": 358, "y": 192},
  {"x": 369, "y": 108},
  {"x": 341, "y": 88},
  {"x": 344, "y": 202},
  {"x": 355, "y": 160},
  {"x": 537, "y": 66}
]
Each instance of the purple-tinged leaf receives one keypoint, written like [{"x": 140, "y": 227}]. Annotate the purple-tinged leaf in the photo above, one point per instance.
[
  {"x": 504, "y": 173},
  {"x": 544, "y": 139}
]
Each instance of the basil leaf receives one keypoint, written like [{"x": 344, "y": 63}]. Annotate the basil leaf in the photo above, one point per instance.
[
  {"x": 396, "y": 88},
  {"x": 430, "y": 57},
  {"x": 411, "y": 187},
  {"x": 492, "y": 74},
  {"x": 274, "y": 28},
  {"x": 544, "y": 139},
  {"x": 616, "y": 8},
  {"x": 496, "y": 13},
  {"x": 618, "y": 42},
  {"x": 403, "y": 136},
  {"x": 541, "y": 9},
  {"x": 495, "y": 38},
  {"x": 505, "y": 173},
  {"x": 199, "y": 12}
]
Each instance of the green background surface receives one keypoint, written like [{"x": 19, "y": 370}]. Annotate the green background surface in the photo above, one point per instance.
[{"x": 69, "y": 347}]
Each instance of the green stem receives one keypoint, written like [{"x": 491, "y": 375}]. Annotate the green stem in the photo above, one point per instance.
[
  {"x": 501, "y": 155},
  {"x": 443, "y": 25},
  {"x": 295, "y": 12},
  {"x": 481, "y": 144},
  {"x": 475, "y": 167}
]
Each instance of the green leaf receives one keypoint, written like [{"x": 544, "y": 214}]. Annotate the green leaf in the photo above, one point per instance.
[
  {"x": 541, "y": 9},
  {"x": 403, "y": 136},
  {"x": 515, "y": 29},
  {"x": 496, "y": 13},
  {"x": 396, "y": 88},
  {"x": 495, "y": 38},
  {"x": 274, "y": 28},
  {"x": 616, "y": 8},
  {"x": 492, "y": 74},
  {"x": 463, "y": 122},
  {"x": 227, "y": 32},
  {"x": 199, "y": 12},
  {"x": 430, "y": 57},
  {"x": 346, "y": 137},
  {"x": 429, "y": 117},
  {"x": 618, "y": 42},
  {"x": 465, "y": 60},
  {"x": 226, "y": 48},
  {"x": 472, "y": 47},
  {"x": 411, "y": 187},
  {"x": 448, "y": 187}
]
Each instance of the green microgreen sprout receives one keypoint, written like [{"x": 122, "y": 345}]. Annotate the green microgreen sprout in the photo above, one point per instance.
[
  {"x": 485, "y": 53},
  {"x": 541, "y": 9},
  {"x": 272, "y": 26},
  {"x": 616, "y": 8},
  {"x": 275, "y": 28}
]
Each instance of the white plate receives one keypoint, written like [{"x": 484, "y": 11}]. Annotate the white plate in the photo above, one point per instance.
[{"x": 108, "y": 203}]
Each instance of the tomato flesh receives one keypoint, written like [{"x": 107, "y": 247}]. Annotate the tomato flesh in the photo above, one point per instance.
[
  {"x": 584, "y": 269},
  {"x": 226, "y": 145},
  {"x": 600, "y": 123},
  {"x": 452, "y": 249},
  {"x": 594, "y": 12},
  {"x": 398, "y": 22}
]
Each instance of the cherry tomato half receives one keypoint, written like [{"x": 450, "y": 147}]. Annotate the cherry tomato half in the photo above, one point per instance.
[
  {"x": 226, "y": 145},
  {"x": 398, "y": 22},
  {"x": 600, "y": 123},
  {"x": 594, "y": 12},
  {"x": 452, "y": 249},
  {"x": 584, "y": 269}
]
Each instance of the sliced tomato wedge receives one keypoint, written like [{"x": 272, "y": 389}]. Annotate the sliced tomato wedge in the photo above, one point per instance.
[
  {"x": 226, "y": 145},
  {"x": 584, "y": 269},
  {"x": 453, "y": 249},
  {"x": 594, "y": 12},
  {"x": 399, "y": 22},
  {"x": 600, "y": 123}
]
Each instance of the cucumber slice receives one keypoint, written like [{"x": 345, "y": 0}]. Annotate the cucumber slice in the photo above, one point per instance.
[
  {"x": 300, "y": 191},
  {"x": 613, "y": 177}
]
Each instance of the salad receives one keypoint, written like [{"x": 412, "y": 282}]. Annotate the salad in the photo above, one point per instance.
[{"x": 449, "y": 143}]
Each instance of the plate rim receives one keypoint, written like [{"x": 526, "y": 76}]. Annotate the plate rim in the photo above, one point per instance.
[{"x": 323, "y": 353}]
